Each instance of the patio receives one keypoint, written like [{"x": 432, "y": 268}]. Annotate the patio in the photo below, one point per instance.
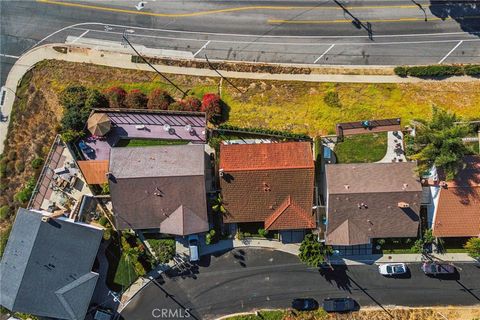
[{"x": 144, "y": 124}]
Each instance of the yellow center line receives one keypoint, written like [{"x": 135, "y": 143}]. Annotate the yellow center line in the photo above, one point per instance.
[
  {"x": 275, "y": 21},
  {"x": 202, "y": 13}
]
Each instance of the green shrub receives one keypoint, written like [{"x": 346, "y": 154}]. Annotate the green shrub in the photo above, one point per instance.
[
  {"x": 164, "y": 249},
  {"x": 210, "y": 237},
  {"x": 400, "y": 71},
  {"x": 159, "y": 99},
  {"x": 74, "y": 97},
  {"x": 381, "y": 242},
  {"x": 434, "y": 71},
  {"x": 37, "y": 163},
  {"x": 473, "y": 247},
  {"x": 71, "y": 135},
  {"x": 312, "y": 252},
  {"x": 4, "y": 212},
  {"x": 105, "y": 188},
  {"x": 332, "y": 99},
  {"x": 4, "y": 238},
  {"x": 103, "y": 221},
  {"x": 116, "y": 97},
  {"x": 26, "y": 193},
  {"x": 285, "y": 134},
  {"x": 262, "y": 232},
  {"x": 107, "y": 234},
  {"x": 19, "y": 166},
  {"x": 472, "y": 70},
  {"x": 96, "y": 99}
]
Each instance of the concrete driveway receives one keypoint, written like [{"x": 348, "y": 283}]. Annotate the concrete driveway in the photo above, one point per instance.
[{"x": 246, "y": 279}]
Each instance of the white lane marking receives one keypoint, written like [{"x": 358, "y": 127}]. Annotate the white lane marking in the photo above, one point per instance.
[
  {"x": 450, "y": 52},
  {"x": 8, "y": 56},
  {"x": 204, "y": 46},
  {"x": 289, "y": 43},
  {"x": 77, "y": 38},
  {"x": 324, "y": 53},
  {"x": 66, "y": 28}
]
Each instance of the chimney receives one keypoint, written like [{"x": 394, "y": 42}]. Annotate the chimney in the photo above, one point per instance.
[{"x": 403, "y": 205}]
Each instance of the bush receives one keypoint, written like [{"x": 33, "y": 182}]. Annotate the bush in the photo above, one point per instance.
[
  {"x": 105, "y": 188},
  {"x": 401, "y": 71},
  {"x": 312, "y": 252},
  {"x": 192, "y": 104},
  {"x": 37, "y": 163},
  {"x": 4, "y": 213},
  {"x": 210, "y": 237},
  {"x": 116, "y": 97},
  {"x": 332, "y": 99},
  {"x": 71, "y": 135},
  {"x": 96, "y": 99},
  {"x": 472, "y": 70},
  {"x": 12, "y": 155},
  {"x": 164, "y": 249},
  {"x": 107, "y": 234},
  {"x": 473, "y": 247},
  {"x": 285, "y": 134},
  {"x": 212, "y": 106},
  {"x": 159, "y": 99},
  {"x": 19, "y": 166},
  {"x": 26, "y": 193},
  {"x": 262, "y": 232},
  {"x": 74, "y": 97},
  {"x": 103, "y": 221},
  {"x": 136, "y": 99}
]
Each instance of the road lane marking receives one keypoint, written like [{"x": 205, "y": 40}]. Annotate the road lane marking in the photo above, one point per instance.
[
  {"x": 226, "y": 10},
  {"x": 324, "y": 53},
  {"x": 76, "y": 39},
  {"x": 276, "y": 21},
  {"x": 204, "y": 46},
  {"x": 8, "y": 56},
  {"x": 450, "y": 52}
]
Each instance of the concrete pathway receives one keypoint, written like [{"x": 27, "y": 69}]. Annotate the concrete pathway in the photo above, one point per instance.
[
  {"x": 395, "y": 152},
  {"x": 106, "y": 57}
]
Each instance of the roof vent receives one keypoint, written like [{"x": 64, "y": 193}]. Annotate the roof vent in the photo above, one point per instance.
[
  {"x": 45, "y": 219},
  {"x": 362, "y": 205},
  {"x": 403, "y": 204},
  {"x": 405, "y": 186},
  {"x": 266, "y": 187},
  {"x": 220, "y": 172},
  {"x": 347, "y": 186}
]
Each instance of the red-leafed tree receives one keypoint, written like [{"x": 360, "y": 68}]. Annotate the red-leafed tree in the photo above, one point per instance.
[
  {"x": 159, "y": 99},
  {"x": 212, "y": 106},
  {"x": 136, "y": 99},
  {"x": 116, "y": 97}
]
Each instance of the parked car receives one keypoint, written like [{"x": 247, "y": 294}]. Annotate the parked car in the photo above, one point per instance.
[
  {"x": 338, "y": 304},
  {"x": 392, "y": 269},
  {"x": 193, "y": 246},
  {"x": 433, "y": 268},
  {"x": 305, "y": 304},
  {"x": 103, "y": 314},
  {"x": 3, "y": 96}
]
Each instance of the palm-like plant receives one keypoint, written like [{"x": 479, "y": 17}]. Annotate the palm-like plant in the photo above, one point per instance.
[
  {"x": 439, "y": 143},
  {"x": 217, "y": 205}
]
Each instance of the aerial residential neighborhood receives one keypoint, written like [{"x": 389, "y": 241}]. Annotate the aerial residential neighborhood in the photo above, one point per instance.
[{"x": 229, "y": 160}]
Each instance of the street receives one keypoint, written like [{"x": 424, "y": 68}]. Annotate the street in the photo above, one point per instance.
[
  {"x": 367, "y": 32},
  {"x": 243, "y": 280}
]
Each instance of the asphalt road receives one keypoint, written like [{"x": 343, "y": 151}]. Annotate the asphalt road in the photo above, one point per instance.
[
  {"x": 243, "y": 280},
  {"x": 361, "y": 32}
]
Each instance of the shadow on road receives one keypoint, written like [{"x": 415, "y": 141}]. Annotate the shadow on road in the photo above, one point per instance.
[
  {"x": 338, "y": 275},
  {"x": 465, "y": 13}
]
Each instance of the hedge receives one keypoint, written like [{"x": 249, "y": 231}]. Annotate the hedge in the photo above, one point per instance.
[
  {"x": 285, "y": 134},
  {"x": 435, "y": 71}
]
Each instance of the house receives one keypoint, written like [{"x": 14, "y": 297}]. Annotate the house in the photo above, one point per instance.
[
  {"x": 371, "y": 200},
  {"x": 268, "y": 185},
  {"x": 457, "y": 212},
  {"x": 46, "y": 269},
  {"x": 159, "y": 187}
]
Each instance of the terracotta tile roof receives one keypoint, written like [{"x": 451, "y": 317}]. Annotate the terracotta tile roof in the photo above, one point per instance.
[
  {"x": 94, "y": 171},
  {"x": 458, "y": 208},
  {"x": 362, "y": 202},
  {"x": 288, "y": 214},
  {"x": 255, "y": 192},
  {"x": 458, "y": 213},
  {"x": 265, "y": 156}
]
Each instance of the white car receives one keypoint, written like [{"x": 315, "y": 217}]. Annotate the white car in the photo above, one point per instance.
[
  {"x": 193, "y": 246},
  {"x": 392, "y": 269}
]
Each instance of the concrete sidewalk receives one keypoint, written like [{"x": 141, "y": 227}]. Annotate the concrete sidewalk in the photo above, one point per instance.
[{"x": 106, "y": 57}]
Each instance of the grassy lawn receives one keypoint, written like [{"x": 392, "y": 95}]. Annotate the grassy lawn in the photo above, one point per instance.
[
  {"x": 362, "y": 148},
  {"x": 148, "y": 142},
  {"x": 125, "y": 274},
  {"x": 263, "y": 315}
]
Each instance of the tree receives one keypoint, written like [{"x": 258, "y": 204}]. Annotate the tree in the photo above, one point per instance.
[
  {"x": 473, "y": 247},
  {"x": 212, "y": 106},
  {"x": 439, "y": 143},
  {"x": 74, "y": 96},
  {"x": 217, "y": 205},
  {"x": 136, "y": 99},
  {"x": 96, "y": 99},
  {"x": 192, "y": 104},
  {"x": 312, "y": 252},
  {"x": 159, "y": 99}
]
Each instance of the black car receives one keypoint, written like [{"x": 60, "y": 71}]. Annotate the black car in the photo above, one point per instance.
[
  {"x": 339, "y": 304},
  {"x": 305, "y": 304}
]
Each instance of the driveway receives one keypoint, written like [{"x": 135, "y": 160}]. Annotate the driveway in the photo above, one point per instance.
[{"x": 243, "y": 280}]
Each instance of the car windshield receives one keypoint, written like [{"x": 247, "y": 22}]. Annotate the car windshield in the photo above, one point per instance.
[
  {"x": 389, "y": 269},
  {"x": 399, "y": 269}
]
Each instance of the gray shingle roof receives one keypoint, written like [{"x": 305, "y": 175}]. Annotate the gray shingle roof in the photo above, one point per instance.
[{"x": 46, "y": 267}]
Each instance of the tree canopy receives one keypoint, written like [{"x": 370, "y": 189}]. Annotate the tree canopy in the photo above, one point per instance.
[
  {"x": 439, "y": 142},
  {"x": 312, "y": 252}
]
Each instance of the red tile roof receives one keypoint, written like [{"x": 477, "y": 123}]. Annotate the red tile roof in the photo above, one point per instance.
[
  {"x": 276, "y": 190},
  {"x": 266, "y": 156},
  {"x": 458, "y": 213}
]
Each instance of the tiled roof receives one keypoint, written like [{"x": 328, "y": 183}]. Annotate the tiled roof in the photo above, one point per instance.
[
  {"x": 362, "y": 202},
  {"x": 94, "y": 171},
  {"x": 287, "y": 215},
  {"x": 265, "y": 156},
  {"x": 256, "y": 192},
  {"x": 458, "y": 213},
  {"x": 458, "y": 208}
]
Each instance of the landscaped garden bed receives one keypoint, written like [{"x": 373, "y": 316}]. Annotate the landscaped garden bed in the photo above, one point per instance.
[{"x": 362, "y": 148}]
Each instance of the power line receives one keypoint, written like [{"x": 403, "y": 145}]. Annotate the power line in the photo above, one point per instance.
[{"x": 151, "y": 66}]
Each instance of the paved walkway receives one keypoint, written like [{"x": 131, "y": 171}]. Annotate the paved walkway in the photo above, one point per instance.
[
  {"x": 84, "y": 54},
  {"x": 395, "y": 152}
]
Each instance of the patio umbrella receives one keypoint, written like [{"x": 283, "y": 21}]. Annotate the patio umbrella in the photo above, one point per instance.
[{"x": 99, "y": 124}]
